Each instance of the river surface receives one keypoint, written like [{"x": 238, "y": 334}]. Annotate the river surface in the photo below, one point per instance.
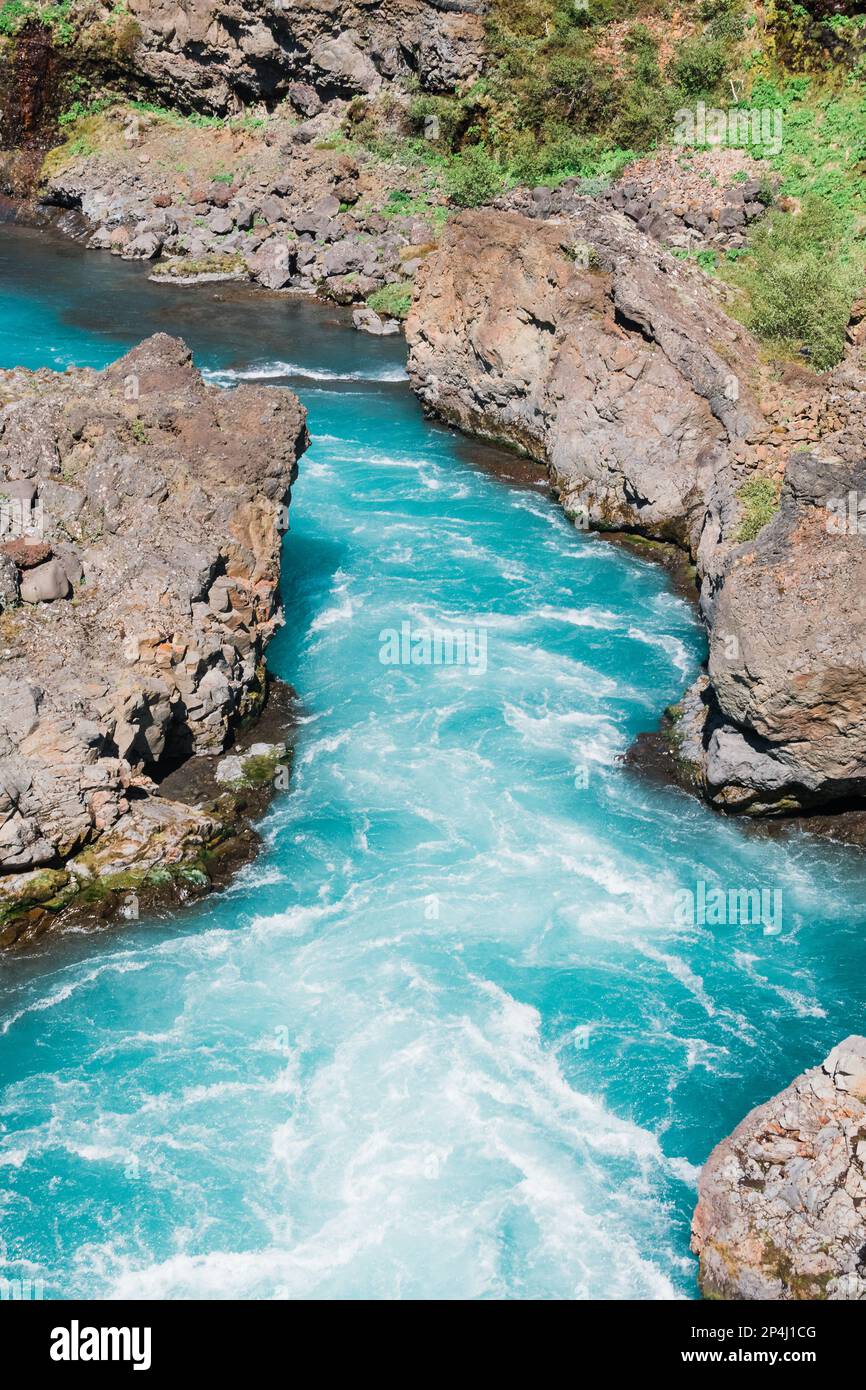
[{"x": 451, "y": 1035}]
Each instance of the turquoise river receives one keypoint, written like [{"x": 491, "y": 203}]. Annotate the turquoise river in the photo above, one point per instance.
[{"x": 448, "y": 1036}]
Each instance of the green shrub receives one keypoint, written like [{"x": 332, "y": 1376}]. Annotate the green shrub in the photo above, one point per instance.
[
  {"x": 799, "y": 288},
  {"x": 647, "y": 103},
  {"x": 699, "y": 66},
  {"x": 473, "y": 177},
  {"x": 14, "y": 14},
  {"x": 571, "y": 87},
  {"x": 725, "y": 19},
  {"x": 394, "y": 301},
  {"x": 760, "y": 499}
]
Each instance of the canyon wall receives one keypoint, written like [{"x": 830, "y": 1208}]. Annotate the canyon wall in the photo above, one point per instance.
[
  {"x": 214, "y": 54},
  {"x": 222, "y": 56}
]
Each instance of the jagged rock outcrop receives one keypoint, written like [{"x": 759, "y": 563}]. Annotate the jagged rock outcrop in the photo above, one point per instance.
[
  {"x": 582, "y": 342},
  {"x": 782, "y": 1202},
  {"x": 139, "y": 641},
  {"x": 224, "y": 55},
  {"x": 212, "y": 55}
]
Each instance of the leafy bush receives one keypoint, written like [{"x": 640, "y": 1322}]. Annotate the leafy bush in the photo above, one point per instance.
[
  {"x": 571, "y": 87},
  {"x": 760, "y": 498},
  {"x": 473, "y": 177},
  {"x": 699, "y": 66},
  {"x": 800, "y": 290},
  {"x": 647, "y": 103}
]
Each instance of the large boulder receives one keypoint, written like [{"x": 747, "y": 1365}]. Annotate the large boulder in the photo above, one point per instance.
[
  {"x": 782, "y": 1203},
  {"x": 44, "y": 583},
  {"x": 585, "y": 345}
]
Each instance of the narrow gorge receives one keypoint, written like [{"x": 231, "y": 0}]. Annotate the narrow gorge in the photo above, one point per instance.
[{"x": 432, "y": 699}]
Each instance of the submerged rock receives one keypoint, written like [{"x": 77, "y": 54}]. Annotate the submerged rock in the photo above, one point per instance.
[
  {"x": 782, "y": 1202},
  {"x": 163, "y": 501}
]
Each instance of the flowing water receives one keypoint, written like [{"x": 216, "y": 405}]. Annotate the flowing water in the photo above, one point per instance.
[{"x": 450, "y": 1035}]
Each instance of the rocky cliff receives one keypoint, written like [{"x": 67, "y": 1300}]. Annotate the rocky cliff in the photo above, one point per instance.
[
  {"x": 782, "y": 1201},
  {"x": 215, "y": 54},
  {"x": 222, "y": 56},
  {"x": 139, "y": 564},
  {"x": 582, "y": 342}
]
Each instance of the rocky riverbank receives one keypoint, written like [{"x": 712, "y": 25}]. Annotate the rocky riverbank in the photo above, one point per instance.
[
  {"x": 139, "y": 566},
  {"x": 583, "y": 343},
  {"x": 781, "y": 1202},
  {"x": 282, "y": 205}
]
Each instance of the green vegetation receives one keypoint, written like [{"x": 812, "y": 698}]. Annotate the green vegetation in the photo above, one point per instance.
[
  {"x": 800, "y": 283},
  {"x": 806, "y": 264},
  {"x": 393, "y": 301},
  {"x": 15, "y": 15},
  {"x": 179, "y": 118},
  {"x": 760, "y": 499},
  {"x": 473, "y": 177}
]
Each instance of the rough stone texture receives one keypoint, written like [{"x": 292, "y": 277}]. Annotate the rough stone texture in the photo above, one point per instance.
[
  {"x": 215, "y": 54},
  {"x": 708, "y": 202},
  {"x": 585, "y": 344},
  {"x": 788, "y": 651},
  {"x": 782, "y": 1202},
  {"x": 160, "y": 499}
]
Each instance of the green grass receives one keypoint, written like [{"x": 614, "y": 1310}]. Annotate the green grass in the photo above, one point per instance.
[
  {"x": 760, "y": 500},
  {"x": 393, "y": 301},
  {"x": 15, "y": 14}
]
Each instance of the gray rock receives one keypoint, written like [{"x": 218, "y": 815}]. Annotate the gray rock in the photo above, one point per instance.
[
  {"x": 45, "y": 583},
  {"x": 304, "y": 98},
  {"x": 273, "y": 264},
  {"x": 143, "y": 247},
  {"x": 368, "y": 321},
  {"x": 345, "y": 256},
  {"x": 782, "y": 1203},
  {"x": 220, "y": 222},
  {"x": 343, "y": 62}
]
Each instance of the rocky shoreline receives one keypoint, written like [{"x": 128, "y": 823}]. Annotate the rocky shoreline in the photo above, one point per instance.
[
  {"x": 285, "y": 207},
  {"x": 139, "y": 563},
  {"x": 584, "y": 344}
]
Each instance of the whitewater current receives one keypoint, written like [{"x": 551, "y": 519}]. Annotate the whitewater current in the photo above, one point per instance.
[{"x": 450, "y": 1035}]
